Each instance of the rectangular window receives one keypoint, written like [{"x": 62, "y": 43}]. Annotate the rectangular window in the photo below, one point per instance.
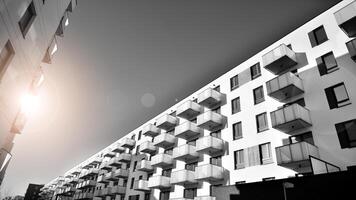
[
  {"x": 6, "y": 55},
  {"x": 164, "y": 195},
  {"x": 262, "y": 123},
  {"x": 190, "y": 193},
  {"x": 147, "y": 196},
  {"x": 191, "y": 166},
  {"x": 216, "y": 160},
  {"x": 265, "y": 153},
  {"x": 239, "y": 159},
  {"x": 132, "y": 183},
  {"x": 346, "y": 131},
  {"x": 326, "y": 64},
  {"x": 258, "y": 95},
  {"x": 166, "y": 172},
  {"x": 139, "y": 135},
  {"x": 234, "y": 82},
  {"x": 237, "y": 131},
  {"x": 137, "y": 149},
  {"x": 27, "y": 19},
  {"x": 317, "y": 36},
  {"x": 134, "y": 166},
  {"x": 255, "y": 71},
  {"x": 337, "y": 96},
  {"x": 216, "y": 134},
  {"x": 169, "y": 151},
  {"x": 235, "y": 105},
  {"x": 133, "y": 137}
]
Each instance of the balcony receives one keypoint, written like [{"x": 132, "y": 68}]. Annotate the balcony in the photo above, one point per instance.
[
  {"x": 183, "y": 177},
  {"x": 145, "y": 166},
  {"x": 118, "y": 149},
  {"x": 285, "y": 87},
  {"x": 162, "y": 160},
  {"x": 189, "y": 110},
  {"x": 114, "y": 162},
  {"x": 296, "y": 156},
  {"x": 109, "y": 154},
  {"x": 114, "y": 190},
  {"x": 159, "y": 182},
  {"x": 187, "y": 130},
  {"x": 351, "y": 46},
  {"x": 124, "y": 157},
  {"x": 110, "y": 176},
  {"x": 290, "y": 118},
  {"x": 280, "y": 59},
  {"x": 346, "y": 19},
  {"x": 100, "y": 193},
  {"x": 205, "y": 198},
  {"x": 185, "y": 152},
  {"x": 148, "y": 147},
  {"x": 164, "y": 140},
  {"x": 105, "y": 166},
  {"x": 167, "y": 122},
  {"x": 73, "y": 180},
  {"x": 88, "y": 184},
  {"x": 128, "y": 143},
  {"x": 209, "y": 172},
  {"x": 87, "y": 195},
  {"x": 102, "y": 179},
  {"x": 69, "y": 190},
  {"x": 151, "y": 130},
  {"x": 91, "y": 172},
  {"x": 209, "y": 145},
  {"x": 211, "y": 121},
  {"x": 96, "y": 161},
  {"x": 121, "y": 173},
  {"x": 141, "y": 185},
  {"x": 210, "y": 98}
]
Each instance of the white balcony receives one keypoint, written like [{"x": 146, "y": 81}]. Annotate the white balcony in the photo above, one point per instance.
[
  {"x": 183, "y": 177},
  {"x": 162, "y": 160},
  {"x": 114, "y": 162},
  {"x": 102, "y": 179},
  {"x": 124, "y": 157},
  {"x": 148, "y": 147},
  {"x": 211, "y": 121},
  {"x": 110, "y": 176},
  {"x": 100, "y": 193},
  {"x": 159, "y": 182},
  {"x": 151, "y": 130},
  {"x": 346, "y": 19},
  {"x": 185, "y": 152},
  {"x": 167, "y": 122},
  {"x": 189, "y": 110},
  {"x": 164, "y": 140},
  {"x": 280, "y": 59},
  {"x": 118, "y": 149},
  {"x": 89, "y": 173},
  {"x": 296, "y": 156},
  {"x": 109, "y": 154},
  {"x": 210, "y": 98},
  {"x": 187, "y": 130},
  {"x": 209, "y": 145},
  {"x": 105, "y": 166},
  {"x": 290, "y": 118},
  {"x": 285, "y": 87},
  {"x": 121, "y": 173},
  {"x": 141, "y": 185},
  {"x": 128, "y": 143},
  {"x": 145, "y": 165},
  {"x": 73, "y": 180},
  {"x": 114, "y": 190},
  {"x": 88, "y": 184},
  {"x": 96, "y": 161},
  {"x": 209, "y": 172}
]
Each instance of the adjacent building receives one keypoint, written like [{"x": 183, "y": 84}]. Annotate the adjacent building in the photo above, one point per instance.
[
  {"x": 290, "y": 110},
  {"x": 29, "y": 36},
  {"x": 33, "y": 191}
]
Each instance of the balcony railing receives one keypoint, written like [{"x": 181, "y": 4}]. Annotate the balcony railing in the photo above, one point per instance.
[
  {"x": 110, "y": 176},
  {"x": 189, "y": 110},
  {"x": 105, "y": 166},
  {"x": 128, "y": 143},
  {"x": 124, "y": 157},
  {"x": 187, "y": 130},
  {"x": 162, "y": 160},
  {"x": 211, "y": 121},
  {"x": 87, "y": 184},
  {"x": 209, "y": 172},
  {"x": 210, "y": 98},
  {"x": 351, "y": 46},
  {"x": 290, "y": 118},
  {"x": 150, "y": 130},
  {"x": 285, "y": 87},
  {"x": 102, "y": 179},
  {"x": 280, "y": 59},
  {"x": 205, "y": 198},
  {"x": 159, "y": 182},
  {"x": 183, "y": 177},
  {"x": 145, "y": 165},
  {"x": 185, "y": 152},
  {"x": 109, "y": 154},
  {"x": 114, "y": 190},
  {"x": 121, "y": 173},
  {"x": 209, "y": 145},
  {"x": 115, "y": 162},
  {"x": 118, "y": 149},
  {"x": 167, "y": 122},
  {"x": 164, "y": 140},
  {"x": 89, "y": 173},
  {"x": 296, "y": 156},
  {"x": 346, "y": 19},
  {"x": 96, "y": 161},
  {"x": 148, "y": 147},
  {"x": 141, "y": 185}
]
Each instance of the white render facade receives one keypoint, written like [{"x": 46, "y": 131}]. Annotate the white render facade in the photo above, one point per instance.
[{"x": 303, "y": 122}]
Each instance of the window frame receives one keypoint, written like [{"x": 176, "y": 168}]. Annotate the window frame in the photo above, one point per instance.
[
  {"x": 237, "y": 157},
  {"x": 259, "y": 130},
  {"x": 234, "y": 111},
  {"x": 7, "y": 60},
  {"x": 233, "y": 80},
  {"x": 260, "y": 100},
  {"x": 343, "y": 134},
  {"x": 332, "y": 98},
  {"x": 254, "y": 76},
  {"x": 314, "y": 39},
  {"x": 234, "y": 131}
]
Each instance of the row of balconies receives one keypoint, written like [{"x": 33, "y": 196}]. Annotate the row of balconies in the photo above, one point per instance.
[
  {"x": 110, "y": 191},
  {"x": 83, "y": 195},
  {"x": 86, "y": 184},
  {"x": 113, "y": 176}
]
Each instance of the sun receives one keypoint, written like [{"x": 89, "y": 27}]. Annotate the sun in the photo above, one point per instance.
[{"x": 29, "y": 103}]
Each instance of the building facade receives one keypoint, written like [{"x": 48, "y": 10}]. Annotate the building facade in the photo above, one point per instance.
[
  {"x": 287, "y": 111},
  {"x": 29, "y": 37},
  {"x": 33, "y": 191}
]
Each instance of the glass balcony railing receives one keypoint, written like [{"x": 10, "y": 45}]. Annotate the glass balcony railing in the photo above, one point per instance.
[
  {"x": 210, "y": 98},
  {"x": 167, "y": 122},
  {"x": 280, "y": 59},
  {"x": 285, "y": 87},
  {"x": 189, "y": 110},
  {"x": 187, "y": 130}
]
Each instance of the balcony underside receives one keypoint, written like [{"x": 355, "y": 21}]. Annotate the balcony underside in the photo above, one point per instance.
[
  {"x": 280, "y": 65},
  {"x": 349, "y": 27},
  {"x": 293, "y": 125},
  {"x": 298, "y": 166},
  {"x": 286, "y": 93},
  {"x": 189, "y": 114}
]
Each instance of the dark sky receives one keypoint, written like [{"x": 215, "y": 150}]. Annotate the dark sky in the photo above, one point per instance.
[{"x": 123, "y": 62}]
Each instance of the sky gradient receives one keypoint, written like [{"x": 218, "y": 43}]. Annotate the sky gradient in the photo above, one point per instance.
[{"x": 123, "y": 62}]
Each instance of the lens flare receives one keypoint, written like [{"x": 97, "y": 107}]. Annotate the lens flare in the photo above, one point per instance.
[{"x": 29, "y": 104}]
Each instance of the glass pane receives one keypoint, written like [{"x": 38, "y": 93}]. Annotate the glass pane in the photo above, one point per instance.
[
  {"x": 340, "y": 93},
  {"x": 320, "y": 35},
  {"x": 329, "y": 61},
  {"x": 351, "y": 130}
]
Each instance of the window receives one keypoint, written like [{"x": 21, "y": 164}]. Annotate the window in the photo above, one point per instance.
[
  {"x": 265, "y": 153},
  {"x": 166, "y": 172},
  {"x": 239, "y": 159},
  {"x": 6, "y": 55},
  {"x": 137, "y": 149},
  {"x": 191, "y": 166},
  {"x": 147, "y": 196},
  {"x": 258, "y": 95},
  {"x": 237, "y": 131},
  {"x": 27, "y": 19},
  {"x": 134, "y": 166},
  {"x": 304, "y": 137},
  {"x": 190, "y": 193},
  {"x": 169, "y": 151},
  {"x": 133, "y": 137},
  {"x": 235, "y": 105},
  {"x": 337, "y": 96},
  {"x": 346, "y": 131},
  {"x": 255, "y": 71},
  {"x": 234, "y": 82},
  {"x": 215, "y": 160},
  {"x": 133, "y": 197},
  {"x": 192, "y": 142},
  {"x": 326, "y": 64},
  {"x": 132, "y": 183},
  {"x": 164, "y": 195},
  {"x": 139, "y": 135},
  {"x": 216, "y": 134},
  {"x": 317, "y": 36},
  {"x": 262, "y": 123}
]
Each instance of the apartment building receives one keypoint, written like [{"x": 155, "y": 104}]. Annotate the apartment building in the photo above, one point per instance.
[
  {"x": 287, "y": 111},
  {"x": 30, "y": 32}
]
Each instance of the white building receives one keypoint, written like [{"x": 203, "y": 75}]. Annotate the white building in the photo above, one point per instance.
[{"x": 290, "y": 109}]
